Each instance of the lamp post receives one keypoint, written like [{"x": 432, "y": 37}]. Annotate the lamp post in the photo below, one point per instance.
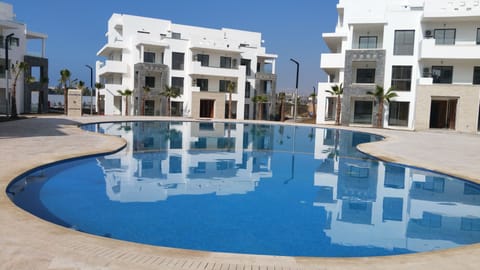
[
  {"x": 91, "y": 88},
  {"x": 7, "y": 75},
  {"x": 296, "y": 91}
]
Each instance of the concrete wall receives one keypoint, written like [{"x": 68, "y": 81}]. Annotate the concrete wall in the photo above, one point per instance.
[{"x": 467, "y": 105}]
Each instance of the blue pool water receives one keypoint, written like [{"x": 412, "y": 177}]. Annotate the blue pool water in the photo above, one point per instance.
[{"x": 258, "y": 189}]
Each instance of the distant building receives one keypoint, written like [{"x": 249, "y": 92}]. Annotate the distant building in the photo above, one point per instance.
[
  {"x": 32, "y": 97},
  {"x": 200, "y": 62},
  {"x": 427, "y": 50}
]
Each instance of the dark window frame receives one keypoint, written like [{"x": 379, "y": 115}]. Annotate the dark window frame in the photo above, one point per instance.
[
  {"x": 441, "y": 79},
  {"x": 398, "y": 107},
  {"x": 175, "y": 83},
  {"x": 476, "y": 75},
  {"x": 225, "y": 62},
  {"x": 401, "y": 45},
  {"x": 402, "y": 78},
  {"x": 443, "y": 40},
  {"x": 150, "y": 81},
  {"x": 204, "y": 59},
  {"x": 203, "y": 84},
  {"x": 369, "y": 39},
  {"x": 148, "y": 55},
  {"x": 176, "y": 63},
  {"x": 478, "y": 36},
  {"x": 362, "y": 76}
]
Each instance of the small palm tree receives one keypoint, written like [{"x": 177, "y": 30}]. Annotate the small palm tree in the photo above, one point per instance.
[
  {"x": 126, "y": 93},
  {"x": 230, "y": 87},
  {"x": 169, "y": 93},
  {"x": 260, "y": 100},
  {"x": 81, "y": 85},
  {"x": 145, "y": 92},
  {"x": 17, "y": 69},
  {"x": 64, "y": 80},
  {"x": 380, "y": 98},
  {"x": 337, "y": 91},
  {"x": 282, "y": 98},
  {"x": 98, "y": 86}
]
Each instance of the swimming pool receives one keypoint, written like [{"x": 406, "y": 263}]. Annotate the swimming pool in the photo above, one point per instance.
[{"x": 260, "y": 189}]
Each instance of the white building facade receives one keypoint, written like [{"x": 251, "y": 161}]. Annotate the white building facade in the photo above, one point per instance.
[
  {"x": 30, "y": 97},
  {"x": 146, "y": 53},
  {"x": 426, "y": 50}
]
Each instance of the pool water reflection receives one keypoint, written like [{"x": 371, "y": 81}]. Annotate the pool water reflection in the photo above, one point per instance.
[{"x": 260, "y": 189}]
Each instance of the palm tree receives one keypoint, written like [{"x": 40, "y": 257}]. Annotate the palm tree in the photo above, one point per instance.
[
  {"x": 282, "y": 98},
  {"x": 126, "y": 93},
  {"x": 337, "y": 91},
  {"x": 230, "y": 87},
  {"x": 64, "y": 79},
  {"x": 145, "y": 92},
  {"x": 259, "y": 100},
  {"x": 98, "y": 86},
  {"x": 169, "y": 93},
  {"x": 81, "y": 85},
  {"x": 380, "y": 98},
  {"x": 17, "y": 70}
]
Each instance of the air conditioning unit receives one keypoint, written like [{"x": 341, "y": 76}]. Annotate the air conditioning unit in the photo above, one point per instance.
[{"x": 428, "y": 33}]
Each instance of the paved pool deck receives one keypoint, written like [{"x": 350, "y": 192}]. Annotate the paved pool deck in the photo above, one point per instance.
[{"x": 27, "y": 242}]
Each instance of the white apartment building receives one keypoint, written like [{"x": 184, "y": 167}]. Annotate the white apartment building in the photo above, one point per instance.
[
  {"x": 146, "y": 52},
  {"x": 31, "y": 97},
  {"x": 427, "y": 50}
]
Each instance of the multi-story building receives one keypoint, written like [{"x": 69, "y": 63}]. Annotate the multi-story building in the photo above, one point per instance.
[
  {"x": 31, "y": 97},
  {"x": 426, "y": 50},
  {"x": 201, "y": 62}
]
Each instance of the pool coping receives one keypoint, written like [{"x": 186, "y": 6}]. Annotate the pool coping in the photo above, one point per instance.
[{"x": 31, "y": 243}]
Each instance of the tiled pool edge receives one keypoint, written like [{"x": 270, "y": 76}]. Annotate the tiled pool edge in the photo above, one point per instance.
[{"x": 53, "y": 247}]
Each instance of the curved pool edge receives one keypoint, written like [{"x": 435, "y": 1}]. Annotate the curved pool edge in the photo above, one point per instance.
[{"x": 52, "y": 246}]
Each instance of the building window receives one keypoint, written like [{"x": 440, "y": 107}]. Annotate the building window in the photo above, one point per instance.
[
  {"x": 176, "y": 35},
  {"x": 365, "y": 75},
  {"x": 203, "y": 84},
  {"x": 225, "y": 62},
  {"x": 204, "y": 59},
  {"x": 246, "y": 63},
  {"x": 14, "y": 41},
  {"x": 476, "y": 75},
  {"x": 398, "y": 113},
  {"x": 401, "y": 78},
  {"x": 478, "y": 36},
  {"x": 404, "y": 42},
  {"x": 367, "y": 42},
  {"x": 442, "y": 74},
  {"x": 246, "y": 111},
  {"x": 363, "y": 112},
  {"x": 149, "y": 57},
  {"x": 248, "y": 87},
  {"x": 177, "y": 82},
  {"x": 150, "y": 81},
  {"x": 223, "y": 87},
  {"x": 177, "y": 109},
  {"x": 178, "y": 60},
  {"x": 331, "y": 109},
  {"x": 444, "y": 36}
]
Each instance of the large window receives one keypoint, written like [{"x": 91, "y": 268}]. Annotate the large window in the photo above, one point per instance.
[
  {"x": 476, "y": 75},
  {"x": 363, "y": 112},
  {"x": 150, "y": 81},
  {"x": 177, "y": 82},
  {"x": 149, "y": 57},
  {"x": 398, "y": 113},
  {"x": 401, "y": 78},
  {"x": 203, "y": 59},
  {"x": 248, "y": 88},
  {"x": 225, "y": 62},
  {"x": 367, "y": 42},
  {"x": 223, "y": 87},
  {"x": 444, "y": 36},
  {"x": 365, "y": 75},
  {"x": 203, "y": 84},
  {"x": 442, "y": 74},
  {"x": 178, "y": 60},
  {"x": 404, "y": 42},
  {"x": 478, "y": 36}
]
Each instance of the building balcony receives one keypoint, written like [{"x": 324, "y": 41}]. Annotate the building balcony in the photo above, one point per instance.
[
  {"x": 332, "y": 61},
  {"x": 443, "y": 10},
  {"x": 112, "y": 89},
  {"x": 196, "y": 68},
  {"x": 429, "y": 50},
  {"x": 110, "y": 66}
]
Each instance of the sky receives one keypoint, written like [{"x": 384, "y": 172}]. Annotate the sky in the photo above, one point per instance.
[{"x": 291, "y": 29}]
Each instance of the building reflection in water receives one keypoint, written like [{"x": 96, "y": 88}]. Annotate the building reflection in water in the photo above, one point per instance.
[
  {"x": 391, "y": 206},
  {"x": 366, "y": 202}
]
